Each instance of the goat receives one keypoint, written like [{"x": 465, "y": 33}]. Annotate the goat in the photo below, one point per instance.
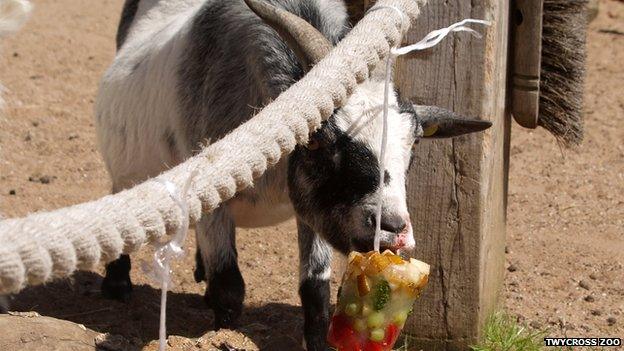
[
  {"x": 190, "y": 71},
  {"x": 13, "y": 14}
]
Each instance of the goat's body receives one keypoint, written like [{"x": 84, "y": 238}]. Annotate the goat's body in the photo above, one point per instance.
[
  {"x": 133, "y": 112},
  {"x": 144, "y": 128},
  {"x": 187, "y": 73}
]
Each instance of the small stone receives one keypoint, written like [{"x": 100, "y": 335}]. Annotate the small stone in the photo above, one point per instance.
[
  {"x": 35, "y": 124},
  {"x": 12, "y": 192},
  {"x": 73, "y": 136},
  {"x": 584, "y": 284},
  {"x": 611, "y": 321},
  {"x": 596, "y": 312},
  {"x": 512, "y": 268},
  {"x": 45, "y": 179},
  {"x": 28, "y": 137},
  {"x": 589, "y": 298},
  {"x": 506, "y": 249},
  {"x": 535, "y": 325},
  {"x": 593, "y": 276},
  {"x": 16, "y": 54}
]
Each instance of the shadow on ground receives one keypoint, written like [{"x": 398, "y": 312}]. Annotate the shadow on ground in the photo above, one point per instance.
[{"x": 78, "y": 300}]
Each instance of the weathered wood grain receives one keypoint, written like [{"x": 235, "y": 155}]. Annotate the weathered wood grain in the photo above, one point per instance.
[{"x": 457, "y": 188}]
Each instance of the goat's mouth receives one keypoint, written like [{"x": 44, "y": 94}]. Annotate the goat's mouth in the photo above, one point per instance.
[{"x": 389, "y": 241}]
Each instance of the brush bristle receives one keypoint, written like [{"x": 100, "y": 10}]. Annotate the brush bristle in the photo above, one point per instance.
[{"x": 563, "y": 69}]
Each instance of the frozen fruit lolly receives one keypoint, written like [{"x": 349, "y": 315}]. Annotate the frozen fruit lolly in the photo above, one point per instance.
[{"x": 377, "y": 294}]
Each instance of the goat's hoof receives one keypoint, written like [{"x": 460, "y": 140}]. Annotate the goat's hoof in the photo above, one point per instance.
[
  {"x": 226, "y": 320},
  {"x": 199, "y": 274},
  {"x": 120, "y": 290}
]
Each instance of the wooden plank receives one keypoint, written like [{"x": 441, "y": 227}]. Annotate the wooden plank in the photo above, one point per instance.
[{"x": 458, "y": 188}]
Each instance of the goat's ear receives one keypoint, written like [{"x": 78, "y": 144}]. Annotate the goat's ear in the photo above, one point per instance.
[{"x": 438, "y": 123}]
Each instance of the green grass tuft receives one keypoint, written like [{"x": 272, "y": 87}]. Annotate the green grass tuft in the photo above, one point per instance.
[{"x": 503, "y": 333}]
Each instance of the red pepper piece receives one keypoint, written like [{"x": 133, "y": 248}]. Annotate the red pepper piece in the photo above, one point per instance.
[
  {"x": 392, "y": 334},
  {"x": 340, "y": 331},
  {"x": 373, "y": 346}
]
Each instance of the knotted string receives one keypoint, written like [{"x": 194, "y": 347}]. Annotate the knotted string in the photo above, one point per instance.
[
  {"x": 172, "y": 250},
  {"x": 430, "y": 40}
]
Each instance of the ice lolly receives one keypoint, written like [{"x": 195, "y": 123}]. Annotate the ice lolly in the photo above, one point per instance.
[{"x": 376, "y": 297}]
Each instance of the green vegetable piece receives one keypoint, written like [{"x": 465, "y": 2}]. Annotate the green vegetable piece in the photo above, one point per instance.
[
  {"x": 377, "y": 335},
  {"x": 382, "y": 295},
  {"x": 352, "y": 309},
  {"x": 400, "y": 318},
  {"x": 375, "y": 320}
]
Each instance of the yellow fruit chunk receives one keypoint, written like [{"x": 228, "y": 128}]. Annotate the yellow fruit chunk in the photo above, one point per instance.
[
  {"x": 394, "y": 259},
  {"x": 355, "y": 258},
  {"x": 363, "y": 285},
  {"x": 376, "y": 264}
]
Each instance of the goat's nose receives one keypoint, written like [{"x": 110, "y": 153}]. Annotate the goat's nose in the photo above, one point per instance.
[{"x": 390, "y": 223}]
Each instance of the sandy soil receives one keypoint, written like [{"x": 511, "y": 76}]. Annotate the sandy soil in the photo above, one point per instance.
[{"x": 565, "y": 218}]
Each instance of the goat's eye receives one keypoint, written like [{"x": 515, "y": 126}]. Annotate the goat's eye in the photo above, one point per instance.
[{"x": 313, "y": 144}]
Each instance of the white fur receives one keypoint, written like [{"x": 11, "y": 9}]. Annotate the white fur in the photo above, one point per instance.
[
  {"x": 136, "y": 100},
  {"x": 362, "y": 119}
]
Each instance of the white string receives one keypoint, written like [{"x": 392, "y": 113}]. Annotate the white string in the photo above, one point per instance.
[
  {"x": 434, "y": 38},
  {"x": 382, "y": 151},
  {"x": 430, "y": 40},
  {"x": 171, "y": 251}
]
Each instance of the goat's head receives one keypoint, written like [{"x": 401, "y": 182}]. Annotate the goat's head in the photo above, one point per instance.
[{"x": 334, "y": 181}]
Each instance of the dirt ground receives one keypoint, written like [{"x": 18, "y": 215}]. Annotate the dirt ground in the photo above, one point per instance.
[{"x": 565, "y": 217}]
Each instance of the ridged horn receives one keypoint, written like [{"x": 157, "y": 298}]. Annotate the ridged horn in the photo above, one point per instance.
[{"x": 307, "y": 42}]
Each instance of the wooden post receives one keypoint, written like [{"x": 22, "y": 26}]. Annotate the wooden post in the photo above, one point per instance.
[{"x": 458, "y": 188}]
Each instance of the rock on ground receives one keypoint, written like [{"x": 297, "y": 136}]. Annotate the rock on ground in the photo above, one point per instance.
[{"x": 29, "y": 331}]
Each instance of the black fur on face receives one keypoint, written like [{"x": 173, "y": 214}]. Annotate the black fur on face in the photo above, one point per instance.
[{"x": 329, "y": 183}]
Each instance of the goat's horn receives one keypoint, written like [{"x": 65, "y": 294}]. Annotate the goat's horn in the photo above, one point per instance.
[{"x": 307, "y": 42}]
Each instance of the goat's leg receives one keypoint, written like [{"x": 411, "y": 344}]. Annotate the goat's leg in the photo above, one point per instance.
[
  {"x": 315, "y": 270},
  {"x": 117, "y": 284},
  {"x": 4, "y": 304},
  {"x": 225, "y": 288}
]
